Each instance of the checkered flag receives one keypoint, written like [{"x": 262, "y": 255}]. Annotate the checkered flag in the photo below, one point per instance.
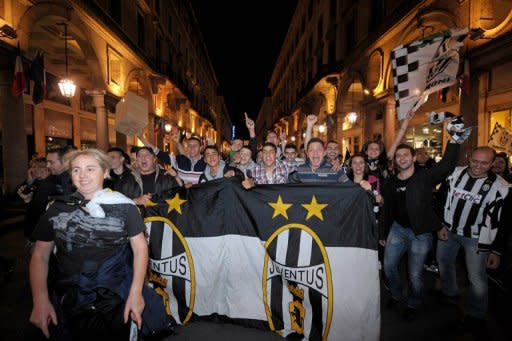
[
  {"x": 440, "y": 117},
  {"x": 425, "y": 66},
  {"x": 457, "y": 130}
]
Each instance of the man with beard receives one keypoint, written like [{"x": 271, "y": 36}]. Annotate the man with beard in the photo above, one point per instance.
[{"x": 407, "y": 222}]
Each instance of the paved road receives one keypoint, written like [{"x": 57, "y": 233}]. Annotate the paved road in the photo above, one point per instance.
[{"x": 436, "y": 322}]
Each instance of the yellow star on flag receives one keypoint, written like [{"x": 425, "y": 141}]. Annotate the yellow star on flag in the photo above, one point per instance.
[
  {"x": 175, "y": 203},
  {"x": 280, "y": 208},
  {"x": 149, "y": 203},
  {"x": 314, "y": 209}
]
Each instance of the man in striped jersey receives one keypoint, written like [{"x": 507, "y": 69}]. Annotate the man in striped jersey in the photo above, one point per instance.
[
  {"x": 189, "y": 163},
  {"x": 472, "y": 215}
]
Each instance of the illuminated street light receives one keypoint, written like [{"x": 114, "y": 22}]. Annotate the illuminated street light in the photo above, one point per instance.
[
  {"x": 66, "y": 86},
  {"x": 321, "y": 128},
  {"x": 352, "y": 117}
]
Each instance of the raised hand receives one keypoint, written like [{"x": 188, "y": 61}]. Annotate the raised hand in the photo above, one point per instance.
[
  {"x": 248, "y": 122},
  {"x": 311, "y": 120}
]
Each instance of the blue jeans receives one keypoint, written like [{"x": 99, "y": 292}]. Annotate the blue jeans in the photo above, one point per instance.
[
  {"x": 401, "y": 240},
  {"x": 476, "y": 264}
]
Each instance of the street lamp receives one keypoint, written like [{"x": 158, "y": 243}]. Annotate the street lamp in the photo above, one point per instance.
[
  {"x": 168, "y": 128},
  {"x": 352, "y": 117},
  {"x": 321, "y": 128},
  {"x": 66, "y": 86}
]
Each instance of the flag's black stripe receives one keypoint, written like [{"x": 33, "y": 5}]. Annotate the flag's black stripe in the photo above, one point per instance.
[
  {"x": 403, "y": 78},
  {"x": 403, "y": 93},
  {"x": 412, "y": 49},
  {"x": 292, "y": 252},
  {"x": 461, "y": 203},
  {"x": 155, "y": 239},
  {"x": 316, "y": 320},
  {"x": 276, "y": 302},
  {"x": 276, "y": 290},
  {"x": 475, "y": 208},
  {"x": 400, "y": 61},
  {"x": 316, "y": 298},
  {"x": 178, "y": 284},
  {"x": 249, "y": 213},
  {"x": 413, "y": 66}
]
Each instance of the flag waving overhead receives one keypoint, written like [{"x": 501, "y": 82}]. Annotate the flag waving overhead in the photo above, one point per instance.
[
  {"x": 300, "y": 260},
  {"x": 423, "y": 67}
]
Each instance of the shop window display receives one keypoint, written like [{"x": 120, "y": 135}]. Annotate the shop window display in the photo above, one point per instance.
[{"x": 426, "y": 136}]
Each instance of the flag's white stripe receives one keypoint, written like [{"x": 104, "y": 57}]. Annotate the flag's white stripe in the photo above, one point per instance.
[{"x": 167, "y": 248}]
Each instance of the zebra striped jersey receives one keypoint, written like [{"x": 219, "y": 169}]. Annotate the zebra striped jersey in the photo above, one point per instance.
[{"x": 473, "y": 205}]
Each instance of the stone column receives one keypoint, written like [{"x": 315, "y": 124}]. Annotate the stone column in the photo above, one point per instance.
[
  {"x": 339, "y": 129},
  {"x": 39, "y": 130},
  {"x": 98, "y": 100},
  {"x": 14, "y": 137},
  {"x": 390, "y": 121}
]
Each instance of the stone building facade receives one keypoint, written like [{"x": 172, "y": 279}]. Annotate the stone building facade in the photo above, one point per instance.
[
  {"x": 152, "y": 48},
  {"x": 335, "y": 62}
]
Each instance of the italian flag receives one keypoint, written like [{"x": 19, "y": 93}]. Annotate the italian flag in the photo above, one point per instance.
[{"x": 19, "y": 82}]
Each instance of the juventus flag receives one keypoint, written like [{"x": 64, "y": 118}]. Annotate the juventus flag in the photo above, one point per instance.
[
  {"x": 300, "y": 260},
  {"x": 423, "y": 67}
]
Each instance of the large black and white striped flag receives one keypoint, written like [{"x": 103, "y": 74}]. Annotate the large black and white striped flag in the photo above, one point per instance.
[
  {"x": 297, "y": 259},
  {"x": 423, "y": 67}
]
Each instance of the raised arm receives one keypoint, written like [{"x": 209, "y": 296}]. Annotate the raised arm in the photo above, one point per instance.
[
  {"x": 249, "y": 123},
  {"x": 399, "y": 136},
  {"x": 176, "y": 140},
  {"x": 310, "y": 123}
]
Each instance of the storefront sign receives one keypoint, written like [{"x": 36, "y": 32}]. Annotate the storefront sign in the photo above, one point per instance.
[{"x": 131, "y": 114}]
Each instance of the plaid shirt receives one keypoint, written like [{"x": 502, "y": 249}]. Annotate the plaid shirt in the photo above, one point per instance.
[{"x": 279, "y": 173}]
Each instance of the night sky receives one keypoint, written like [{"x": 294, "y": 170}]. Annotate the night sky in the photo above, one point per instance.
[{"x": 243, "y": 65}]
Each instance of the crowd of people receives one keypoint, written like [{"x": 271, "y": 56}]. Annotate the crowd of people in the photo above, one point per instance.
[{"x": 98, "y": 232}]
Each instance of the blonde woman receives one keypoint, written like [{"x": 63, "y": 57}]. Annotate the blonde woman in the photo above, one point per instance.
[{"x": 101, "y": 259}]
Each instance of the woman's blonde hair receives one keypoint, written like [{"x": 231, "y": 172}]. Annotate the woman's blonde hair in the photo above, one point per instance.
[{"x": 97, "y": 154}]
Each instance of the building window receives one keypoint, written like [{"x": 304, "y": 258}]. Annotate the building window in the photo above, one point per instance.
[
  {"x": 425, "y": 136},
  {"x": 114, "y": 10},
  {"x": 503, "y": 118},
  {"x": 141, "y": 35},
  {"x": 157, "y": 6}
]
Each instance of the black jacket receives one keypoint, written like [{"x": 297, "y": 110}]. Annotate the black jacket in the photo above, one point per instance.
[
  {"x": 418, "y": 195},
  {"x": 131, "y": 186},
  {"x": 238, "y": 173}
]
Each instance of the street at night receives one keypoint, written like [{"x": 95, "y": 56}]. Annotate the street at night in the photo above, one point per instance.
[
  {"x": 438, "y": 320},
  {"x": 255, "y": 170}
]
